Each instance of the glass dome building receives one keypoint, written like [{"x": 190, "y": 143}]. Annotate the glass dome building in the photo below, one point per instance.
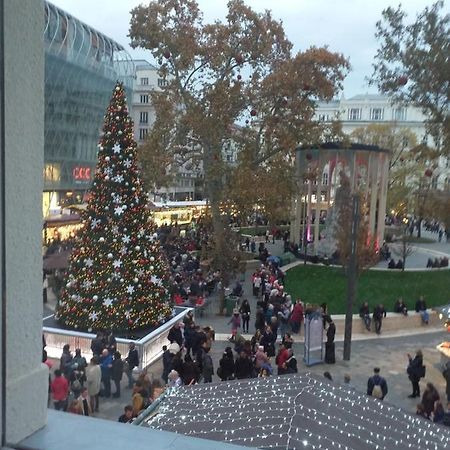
[{"x": 81, "y": 68}]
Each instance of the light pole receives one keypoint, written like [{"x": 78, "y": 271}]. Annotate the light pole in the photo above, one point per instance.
[{"x": 351, "y": 278}]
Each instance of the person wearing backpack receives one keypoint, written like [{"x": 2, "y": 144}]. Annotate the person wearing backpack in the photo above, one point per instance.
[
  {"x": 415, "y": 371},
  {"x": 376, "y": 385}
]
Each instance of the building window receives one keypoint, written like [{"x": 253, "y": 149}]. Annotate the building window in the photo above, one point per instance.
[
  {"x": 376, "y": 114},
  {"x": 143, "y": 133},
  {"x": 325, "y": 179},
  {"x": 324, "y": 117},
  {"x": 399, "y": 114},
  {"x": 143, "y": 117},
  {"x": 354, "y": 114},
  {"x": 144, "y": 81},
  {"x": 144, "y": 98},
  {"x": 162, "y": 82},
  {"x": 434, "y": 182}
]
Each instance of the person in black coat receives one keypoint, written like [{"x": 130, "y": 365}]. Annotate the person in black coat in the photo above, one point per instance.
[
  {"x": 364, "y": 313},
  {"x": 260, "y": 321},
  {"x": 330, "y": 357},
  {"x": 175, "y": 335},
  {"x": 400, "y": 307},
  {"x": 132, "y": 360},
  {"x": 167, "y": 357},
  {"x": 243, "y": 367},
  {"x": 117, "y": 372},
  {"x": 415, "y": 372},
  {"x": 378, "y": 313},
  {"x": 97, "y": 345},
  {"x": 268, "y": 342},
  {"x": 244, "y": 310},
  {"x": 190, "y": 371},
  {"x": 291, "y": 363},
  {"x": 226, "y": 367}
]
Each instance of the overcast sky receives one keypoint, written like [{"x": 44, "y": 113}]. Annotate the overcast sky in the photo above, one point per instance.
[{"x": 346, "y": 26}]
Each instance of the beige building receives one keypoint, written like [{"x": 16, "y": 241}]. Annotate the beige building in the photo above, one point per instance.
[{"x": 363, "y": 110}]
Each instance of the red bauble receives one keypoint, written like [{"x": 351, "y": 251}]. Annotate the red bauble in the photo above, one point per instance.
[
  {"x": 284, "y": 102},
  {"x": 402, "y": 80},
  {"x": 167, "y": 54},
  {"x": 306, "y": 87},
  {"x": 428, "y": 173},
  {"x": 130, "y": 322},
  {"x": 309, "y": 156},
  {"x": 239, "y": 59},
  {"x": 253, "y": 112}
]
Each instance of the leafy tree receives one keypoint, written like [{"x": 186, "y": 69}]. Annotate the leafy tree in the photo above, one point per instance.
[
  {"x": 117, "y": 277},
  {"x": 405, "y": 163},
  {"x": 413, "y": 62},
  {"x": 239, "y": 70},
  {"x": 270, "y": 186}
]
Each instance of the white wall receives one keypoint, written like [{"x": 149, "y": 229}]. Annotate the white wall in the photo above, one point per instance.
[{"x": 26, "y": 377}]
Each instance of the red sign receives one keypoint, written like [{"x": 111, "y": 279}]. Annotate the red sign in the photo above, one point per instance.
[{"x": 81, "y": 173}]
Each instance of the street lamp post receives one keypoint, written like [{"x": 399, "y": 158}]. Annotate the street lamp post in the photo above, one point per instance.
[{"x": 351, "y": 278}]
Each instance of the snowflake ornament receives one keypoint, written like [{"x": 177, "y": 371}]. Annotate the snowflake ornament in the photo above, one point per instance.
[
  {"x": 95, "y": 223},
  {"x": 130, "y": 289},
  {"x": 88, "y": 262},
  {"x": 93, "y": 316},
  {"x": 118, "y": 210},
  {"x": 117, "y": 264},
  {"x": 116, "y": 148},
  {"x": 108, "y": 302}
]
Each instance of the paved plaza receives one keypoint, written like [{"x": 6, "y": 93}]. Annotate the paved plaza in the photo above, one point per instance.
[{"x": 389, "y": 351}]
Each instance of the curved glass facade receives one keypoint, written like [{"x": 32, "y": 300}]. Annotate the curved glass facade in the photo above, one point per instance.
[{"x": 81, "y": 68}]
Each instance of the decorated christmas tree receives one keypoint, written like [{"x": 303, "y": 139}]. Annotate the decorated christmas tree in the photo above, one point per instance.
[{"x": 117, "y": 277}]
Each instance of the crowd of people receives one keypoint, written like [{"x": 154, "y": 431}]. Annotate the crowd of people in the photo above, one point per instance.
[
  {"x": 189, "y": 281},
  {"x": 77, "y": 386}
]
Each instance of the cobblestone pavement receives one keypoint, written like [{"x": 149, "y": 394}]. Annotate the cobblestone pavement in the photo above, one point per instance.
[{"x": 387, "y": 353}]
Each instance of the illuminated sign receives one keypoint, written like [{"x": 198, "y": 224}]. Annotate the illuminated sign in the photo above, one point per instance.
[{"x": 81, "y": 174}]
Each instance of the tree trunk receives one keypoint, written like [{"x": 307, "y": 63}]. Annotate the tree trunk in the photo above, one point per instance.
[{"x": 214, "y": 188}]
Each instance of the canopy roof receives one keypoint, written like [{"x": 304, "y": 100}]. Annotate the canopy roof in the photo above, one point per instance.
[{"x": 294, "y": 412}]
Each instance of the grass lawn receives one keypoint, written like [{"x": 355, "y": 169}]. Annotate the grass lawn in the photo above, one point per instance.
[
  {"x": 260, "y": 230},
  {"x": 318, "y": 284}
]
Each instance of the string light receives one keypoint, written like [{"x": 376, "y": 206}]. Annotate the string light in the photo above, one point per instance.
[{"x": 294, "y": 411}]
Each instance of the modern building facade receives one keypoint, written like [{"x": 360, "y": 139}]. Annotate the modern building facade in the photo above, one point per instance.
[
  {"x": 363, "y": 110},
  {"x": 81, "y": 68}
]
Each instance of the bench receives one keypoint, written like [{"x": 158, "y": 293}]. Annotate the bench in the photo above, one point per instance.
[{"x": 392, "y": 322}]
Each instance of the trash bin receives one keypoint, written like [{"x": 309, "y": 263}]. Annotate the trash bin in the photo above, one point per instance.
[{"x": 230, "y": 304}]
